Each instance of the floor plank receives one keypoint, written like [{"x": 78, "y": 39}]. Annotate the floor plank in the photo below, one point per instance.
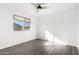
[{"x": 38, "y": 47}]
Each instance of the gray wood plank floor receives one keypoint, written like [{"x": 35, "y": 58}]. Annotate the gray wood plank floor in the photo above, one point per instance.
[{"x": 38, "y": 47}]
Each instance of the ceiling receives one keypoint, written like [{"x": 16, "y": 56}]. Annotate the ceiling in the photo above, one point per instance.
[
  {"x": 30, "y": 9},
  {"x": 56, "y": 7}
]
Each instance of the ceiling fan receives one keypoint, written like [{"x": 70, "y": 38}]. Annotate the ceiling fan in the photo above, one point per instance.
[{"x": 39, "y": 6}]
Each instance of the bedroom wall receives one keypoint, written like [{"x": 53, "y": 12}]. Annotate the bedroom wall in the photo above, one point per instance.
[
  {"x": 78, "y": 23},
  {"x": 61, "y": 24},
  {"x": 8, "y": 37}
]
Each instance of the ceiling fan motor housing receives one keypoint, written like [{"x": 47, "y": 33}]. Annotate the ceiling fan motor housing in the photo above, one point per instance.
[{"x": 39, "y": 7}]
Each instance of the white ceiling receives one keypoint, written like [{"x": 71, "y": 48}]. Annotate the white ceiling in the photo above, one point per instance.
[
  {"x": 30, "y": 9},
  {"x": 57, "y": 7},
  {"x": 21, "y": 7}
]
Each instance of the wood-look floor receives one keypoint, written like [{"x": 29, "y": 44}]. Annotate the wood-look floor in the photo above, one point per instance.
[{"x": 38, "y": 47}]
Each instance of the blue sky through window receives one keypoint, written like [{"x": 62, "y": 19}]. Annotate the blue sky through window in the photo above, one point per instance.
[{"x": 22, "y": 23}]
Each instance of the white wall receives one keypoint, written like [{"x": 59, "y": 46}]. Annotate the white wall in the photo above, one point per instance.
[
  {"x": 8, "y": 37},
  {"x": 62, "y": 23},
  {"x": 78, "y": 24}
]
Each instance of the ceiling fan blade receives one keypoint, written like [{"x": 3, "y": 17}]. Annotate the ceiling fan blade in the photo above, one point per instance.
[
  {"x": 35, "y": 4},
  {"x": 44, "y": 7}
]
